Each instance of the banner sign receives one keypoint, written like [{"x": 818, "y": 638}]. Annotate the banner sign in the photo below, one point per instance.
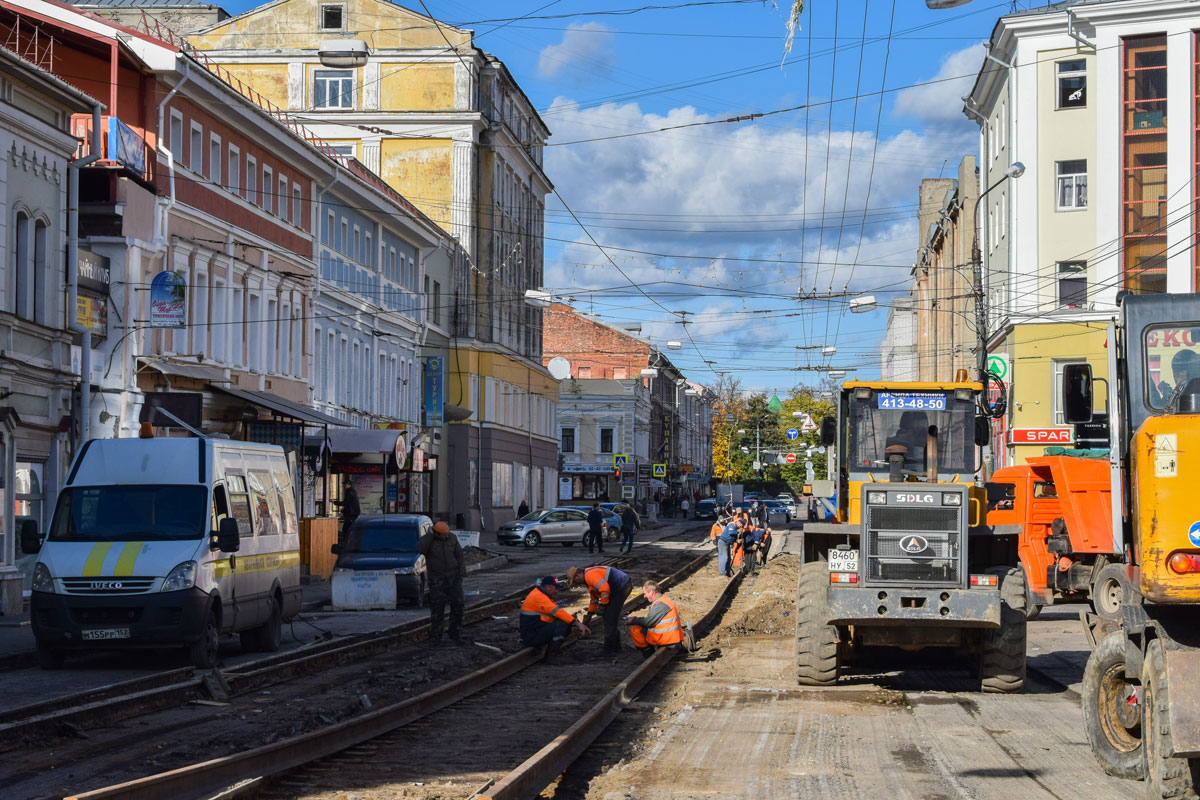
[
  {"x": 125, "y": 146},
  {"x": 1041, "y": 435},
  {"x": 168, "y": 306},
  {"x": 435, "y": 375},
  {"x": 91, "y": 311},
  {"x": 95, "y": 275}
]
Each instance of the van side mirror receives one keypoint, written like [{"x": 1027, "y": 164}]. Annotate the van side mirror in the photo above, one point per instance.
[
  {"x": 336, "y": 549},
  {"x": 1077, "y": 388},
  {"x": 31, "y": 543},
  {"x": 828, "y": 432},
  {"x": 229, "y": 537},
  {"x": 983, "y": 431}
]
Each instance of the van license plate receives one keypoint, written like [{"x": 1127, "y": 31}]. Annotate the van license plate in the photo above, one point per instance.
[
  {"x": 106, "y": 633},
  {"x": 843, "y": 561}
]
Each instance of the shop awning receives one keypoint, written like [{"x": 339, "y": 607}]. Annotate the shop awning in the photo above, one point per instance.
[
  {"x": 174, "y": 369},
  {"x": 364, "y": 440},
  {"x": 284, "y": 408}
]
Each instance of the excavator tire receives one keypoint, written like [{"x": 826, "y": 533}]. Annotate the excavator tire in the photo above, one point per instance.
[
  {"x": 1167, "y": 778},
  {"x": 816, "y": 642},
  {"x": 1113, "y": 724},
  {"x": 1002, "y": 654}
]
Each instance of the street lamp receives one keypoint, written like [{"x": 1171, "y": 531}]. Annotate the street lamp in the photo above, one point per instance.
[
  {"x": 861, "y": 305},
  {"x": 1014, "y": 170}
]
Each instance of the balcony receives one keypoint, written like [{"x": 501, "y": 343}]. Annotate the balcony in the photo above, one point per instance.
[{"x": 123, "y": 147}]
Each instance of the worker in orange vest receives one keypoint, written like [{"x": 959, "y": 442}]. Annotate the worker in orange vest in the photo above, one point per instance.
[
  {"x": 543, "y": 620},
  {"x": 661, "y": 627},
  {"x": 609, "y": 589}
]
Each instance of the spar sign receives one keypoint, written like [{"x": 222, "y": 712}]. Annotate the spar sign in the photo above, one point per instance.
[{"x": 1041, "y": 435}]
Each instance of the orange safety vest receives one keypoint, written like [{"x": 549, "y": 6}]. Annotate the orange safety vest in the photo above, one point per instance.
[
  {"x": 669, "y": 629},
  {"x": 715, "y": 531},
  {"x": 538, "y": 604},
  {"x": 596, "y": 579}
]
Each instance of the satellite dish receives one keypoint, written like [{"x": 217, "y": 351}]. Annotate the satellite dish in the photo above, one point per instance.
[{"x": 559, "y": 368}]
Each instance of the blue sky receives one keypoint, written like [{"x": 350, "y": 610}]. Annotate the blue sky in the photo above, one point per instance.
[{"x": 729, "y": 222}]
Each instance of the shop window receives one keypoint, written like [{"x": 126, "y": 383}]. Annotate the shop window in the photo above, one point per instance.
[
  {"x": 30, "y": 493},
  {"x": 1072, "y": 83},
  {"x": 502, "y": 484}
]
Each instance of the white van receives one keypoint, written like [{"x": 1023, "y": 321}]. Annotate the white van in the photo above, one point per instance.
[{"x": 160, "y": 541}]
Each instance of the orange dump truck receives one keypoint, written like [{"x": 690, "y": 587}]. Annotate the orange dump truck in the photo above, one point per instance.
[{"x": 1060, "y": 509}]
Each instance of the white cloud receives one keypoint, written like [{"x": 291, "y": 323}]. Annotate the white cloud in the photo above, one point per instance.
[
  {"x": 587, "y": 47},
  {"x": 724, "y": 194},
  {"x": 942, "y": 100}
]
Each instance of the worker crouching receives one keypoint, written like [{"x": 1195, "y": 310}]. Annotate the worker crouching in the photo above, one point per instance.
[
  {"x": 661, "y": 627},
  {"x": 543, "y": 621}
]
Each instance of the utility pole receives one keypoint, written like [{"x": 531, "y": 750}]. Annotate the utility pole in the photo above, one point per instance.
[{"x": 1014, "y": 170}]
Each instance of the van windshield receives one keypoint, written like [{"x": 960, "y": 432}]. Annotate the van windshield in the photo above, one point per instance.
[{"x": 130, "y": 513}]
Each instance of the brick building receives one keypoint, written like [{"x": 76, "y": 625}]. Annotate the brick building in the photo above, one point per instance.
[{"x": 623, "y": 396}]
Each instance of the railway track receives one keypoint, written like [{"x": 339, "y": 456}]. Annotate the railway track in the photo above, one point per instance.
[
  {"x": 471, "y": 737},
  {"x": 175, "y": 687}
]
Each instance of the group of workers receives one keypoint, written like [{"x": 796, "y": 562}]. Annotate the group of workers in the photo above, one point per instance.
[
  {"x": 742, "y": 539},
  {"x": 544, "y": 621}
]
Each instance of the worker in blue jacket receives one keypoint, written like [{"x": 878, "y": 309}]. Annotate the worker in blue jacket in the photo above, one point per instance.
[{"x": 724, "y": 542}]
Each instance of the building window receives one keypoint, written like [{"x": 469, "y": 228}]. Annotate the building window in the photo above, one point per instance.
[
  {"x": 283, "y": 198},
  {"x": 437, "y": 303},
  {"x": 568, "y": 440},
  {"x": 368, "y": 258},
  {"x": 296, "y": 210},
  {"x": 214, "y": 160},
  {"x": 606, "y": 440},
  {"x": 234, "y": 174},
  {"x": 333, "y": 88},
  {"x": 1072, "y": 83},
  {"x": 268, "y": 197},
  {"x": 331, "y": 17},
  {"x": 177, "y": 137},
  {"x": 196, "y": 154},
  {"x": 251, "y": 180},
  {"x": 502, "y": 484},
  {"x": 1072, "y": 284},
  {"x": 1056, "y": 394},
  {"x": 22, "y": 268},
  {"x": 1144, "y": 163},
  {"x": 1072, "y": 184}
]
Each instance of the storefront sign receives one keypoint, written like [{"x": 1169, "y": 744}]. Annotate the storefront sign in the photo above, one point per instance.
[
  {"x": 94, "y": 272},
  {"x": 91, "y": 312},
  {"x": 587, "y": 469},
  {"x": 434, "y": 390},
  {"x": 357, "y": 469},
  {"x": 168, "y": 306},
  {"x": 687, "y": 469},
  {"x": 1041, "y": 435}
]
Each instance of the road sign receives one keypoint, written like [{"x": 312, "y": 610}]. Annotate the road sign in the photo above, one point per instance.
[
  {"x": 791, "y": 458},
  {"x": 808, "y": 425},
  {"x": 808, "y": 465},
  {"x": 997, "y": 364},
  {"x": 792, "y": 433},
  {"x": 620, "y": 460},
  {"x": 660, "y": 471},
  {"x": 626, "y": 492}
]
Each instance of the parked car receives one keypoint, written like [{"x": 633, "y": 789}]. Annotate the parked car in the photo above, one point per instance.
[
  {"x": 775, "y": 510},
  {"x": 747, "y": 496},
  {"x": 706, "y": 509},
  {"x": 789, "y": 503},
  {"x": 565, "y": 525},
  {"x": 388, "y": 542}
]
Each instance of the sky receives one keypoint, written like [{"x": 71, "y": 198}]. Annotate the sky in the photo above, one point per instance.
[{"x": 756, "y": 232}]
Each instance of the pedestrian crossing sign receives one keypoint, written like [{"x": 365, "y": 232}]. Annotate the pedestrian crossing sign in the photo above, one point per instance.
[
  {"x": 620, "y": 460},
  {"x": 660, "y": 470}
]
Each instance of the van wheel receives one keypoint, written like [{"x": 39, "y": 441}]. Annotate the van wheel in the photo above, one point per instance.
[
  {"x": 49, "y": 657},
  {"x": 203, "y": 652}
]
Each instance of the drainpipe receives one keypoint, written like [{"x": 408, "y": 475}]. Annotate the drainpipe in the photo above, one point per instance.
[
  {"x": 187, "y": 72},
  {"x": 85, "y": 354},
  {"x": 1074, "y": 34}
]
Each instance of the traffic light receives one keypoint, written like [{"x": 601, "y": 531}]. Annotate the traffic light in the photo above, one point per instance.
[{"x": 618, "y": 471}]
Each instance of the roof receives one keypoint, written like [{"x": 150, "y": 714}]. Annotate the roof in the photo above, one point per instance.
[
  {"x": 50, "y": 79},
  {"x": 143, "y": 3}
]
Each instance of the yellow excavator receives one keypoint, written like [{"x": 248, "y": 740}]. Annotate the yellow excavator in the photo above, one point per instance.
[{"x": 1141, "y": 685}]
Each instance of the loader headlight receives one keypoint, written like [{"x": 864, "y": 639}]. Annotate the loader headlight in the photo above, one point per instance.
[
  {"x": 877, "y": 498},
  {"x": 951, "y": 499}
]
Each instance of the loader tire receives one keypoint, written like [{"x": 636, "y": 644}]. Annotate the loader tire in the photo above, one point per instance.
[
  {"x": 1002, "y": 655},
  {"x": 816, "y": 640},
  {"x": 1167, "y": 778},
  {"x": 1112, "y": 722}
]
